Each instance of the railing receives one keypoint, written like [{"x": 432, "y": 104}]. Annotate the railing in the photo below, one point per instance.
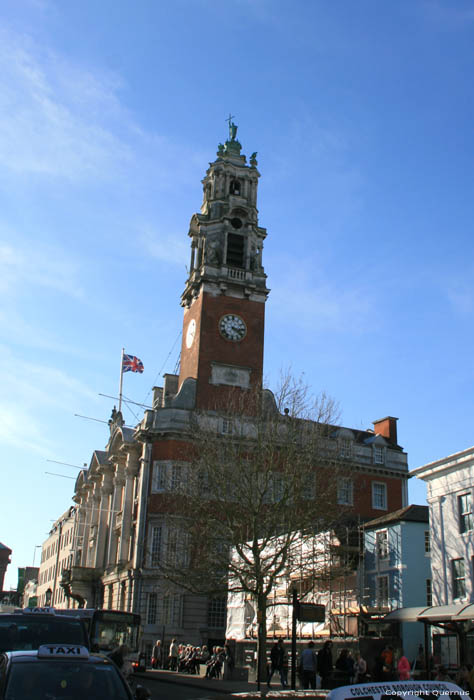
[{"x": 236, "y": 273}]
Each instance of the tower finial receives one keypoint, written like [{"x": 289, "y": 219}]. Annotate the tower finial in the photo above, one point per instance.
[{"x": 232, "y": 127}]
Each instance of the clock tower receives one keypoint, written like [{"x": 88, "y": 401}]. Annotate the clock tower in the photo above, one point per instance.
[{"x": 225, "y": 293}]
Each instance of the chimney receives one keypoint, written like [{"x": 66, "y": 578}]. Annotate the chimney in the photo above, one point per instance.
[{"x": 387, "y": 428}]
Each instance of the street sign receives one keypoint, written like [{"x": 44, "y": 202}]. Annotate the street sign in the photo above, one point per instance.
[{"x": 311, "y": 612}]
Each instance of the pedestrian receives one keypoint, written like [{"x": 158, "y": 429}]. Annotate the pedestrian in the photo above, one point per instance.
[
  {"x": 277, "y": 654},
  {"x": 157, "y": 655},
  {"x": 309, "y": 665},
  {"x": 228, "y": 663},
  {"x": 173, "y": 656},
  {"x": 325, "y": 664},
  {"x": 360, "y": 669},
  {"x": 403, "y": 667},
  {"x": 387, "y": 663},
  {"x": 345, "y": 666}
]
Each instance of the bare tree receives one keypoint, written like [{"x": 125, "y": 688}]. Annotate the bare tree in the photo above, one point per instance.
[{"x": 262, "y": 477}]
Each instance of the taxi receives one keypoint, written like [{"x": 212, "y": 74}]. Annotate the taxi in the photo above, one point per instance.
[
  {"x": 62, "y": 672},
  {"x": 399, "y": 690},
  {"x": 27, "y": 629}
]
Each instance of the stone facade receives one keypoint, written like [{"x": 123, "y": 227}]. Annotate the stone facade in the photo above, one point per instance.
[
  {"x": 56, "y": 557},
  {"x": 450, "y": 485}
]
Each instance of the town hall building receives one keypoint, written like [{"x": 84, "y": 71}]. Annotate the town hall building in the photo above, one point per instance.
[{"x": 121, "y": 534}]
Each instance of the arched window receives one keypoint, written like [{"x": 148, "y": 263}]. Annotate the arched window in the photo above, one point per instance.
[{"x": 234, "y": 187}]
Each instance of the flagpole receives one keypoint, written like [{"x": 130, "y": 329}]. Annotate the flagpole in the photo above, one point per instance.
[{"x": 121, "y": 381}]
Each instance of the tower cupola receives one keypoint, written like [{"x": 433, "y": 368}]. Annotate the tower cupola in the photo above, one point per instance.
[{"x": 226, "y": 240}]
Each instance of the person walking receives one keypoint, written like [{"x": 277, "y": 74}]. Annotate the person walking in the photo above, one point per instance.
[
  {"x": 403, "y": 667},
  {"x": 157, "y": 655},
  {"x": 325, "y": 663},
  {"x": 309, "y": 665},
  {"x": 173, "y": 656},
  {"x": 277, "y": 653},
  {"x": 360, "y": 668}
]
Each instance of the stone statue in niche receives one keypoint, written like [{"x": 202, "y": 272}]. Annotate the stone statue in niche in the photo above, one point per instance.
[
  {"x": 213, "y": 252},
  {"x": 254, "y": 257}
]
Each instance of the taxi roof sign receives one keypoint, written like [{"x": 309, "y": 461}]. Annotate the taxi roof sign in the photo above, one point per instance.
[
  {"x": 46, "y": 610},
  {"x": 62, "y": 651}
]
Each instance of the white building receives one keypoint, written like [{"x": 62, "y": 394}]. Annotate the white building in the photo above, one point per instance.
[{"x": 450, "y": 483}]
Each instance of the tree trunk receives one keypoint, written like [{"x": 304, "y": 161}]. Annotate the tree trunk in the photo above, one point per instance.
[{"x": 262, "y": 639}]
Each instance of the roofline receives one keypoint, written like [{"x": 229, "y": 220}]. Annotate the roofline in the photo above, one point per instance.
[{"x": 453, "y": 461}]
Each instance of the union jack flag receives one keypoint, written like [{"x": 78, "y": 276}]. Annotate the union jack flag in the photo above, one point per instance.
[{"x": 131, "y": 363}]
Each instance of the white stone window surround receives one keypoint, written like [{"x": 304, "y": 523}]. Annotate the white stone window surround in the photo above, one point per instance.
[
  {"x": 379, "y": 454},
  {"x": 168, "y": 544},
  {"x": 458, "y": 572},
  {"x": 152, "y": 608},
  {"x": 168, "y": 475},
  {"x": 379, "y": 495},
  {"x": 345, "y": 492},
  {"x": 464, "y": 501},
  {"x": 381, "y": 544}
]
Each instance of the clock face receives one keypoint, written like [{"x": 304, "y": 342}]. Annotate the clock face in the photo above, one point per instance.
[
  {"x": 191, "y": 332},
  {"x": 232, "y": 327}
]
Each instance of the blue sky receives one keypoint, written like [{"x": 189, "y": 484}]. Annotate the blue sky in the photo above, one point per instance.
[{"x": 362, "y": 114}]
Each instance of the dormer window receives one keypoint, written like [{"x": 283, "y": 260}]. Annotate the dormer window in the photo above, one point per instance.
[
  {"x": 345, "y": 449},
  {"x": 234, "y": 187},
  {"x": 379, "y": 455}
]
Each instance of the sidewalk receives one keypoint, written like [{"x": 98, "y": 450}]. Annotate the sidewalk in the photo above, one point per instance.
[{"x": 222, "y": 689}]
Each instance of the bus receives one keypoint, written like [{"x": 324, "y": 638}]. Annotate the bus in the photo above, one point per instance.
[{"x": 110, "y": 629}]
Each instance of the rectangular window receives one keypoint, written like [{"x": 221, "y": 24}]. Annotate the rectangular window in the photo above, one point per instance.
[
  {"x": 160, "y": 477},
  {"x": 152, "y": 606},
  {"x": 345, "y": 492},
  {"x": 427, "y": 541},
  {"x": 465, "y": 512},
  {"x": 379, "y": 496},
  {"x": 379, "y": 455},
  {"x": 227, "y": 427},
  {"x": 459, "y": 578},
  {"x": 346, "y": 449},
  {"x": 381, "y": 543},
  {"x": 155, "y": 548},
  {"x": 382, "y": 591},
  {"x": 176, "y": 476},
  {"x": 172, "y": 609},
  {"x": 217, "y": 612},
  {"x": 429, "y": 594}
]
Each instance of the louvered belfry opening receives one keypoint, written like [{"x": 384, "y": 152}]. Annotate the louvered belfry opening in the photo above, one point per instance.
[{"x": 235, "y": 250}]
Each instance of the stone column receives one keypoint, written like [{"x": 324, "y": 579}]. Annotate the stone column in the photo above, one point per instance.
[
  {"x": 118, "y": 483},
  {"x": 93, "y": 525},
  {"x": 87, "y": 503},
  {"x": 131, "y": 472},
  {"x": 104, "y": 508}
]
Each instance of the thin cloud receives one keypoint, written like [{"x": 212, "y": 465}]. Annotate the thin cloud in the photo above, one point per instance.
[
  {"x": 60, "y": 113},
  {"x": 322, "y": 305},
  {"x": 26, "y": 265},
  {"x": 166, "y": 247}
]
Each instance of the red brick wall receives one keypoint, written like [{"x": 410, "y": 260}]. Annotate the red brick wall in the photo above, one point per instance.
[{"x": 209, "y": 346}]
